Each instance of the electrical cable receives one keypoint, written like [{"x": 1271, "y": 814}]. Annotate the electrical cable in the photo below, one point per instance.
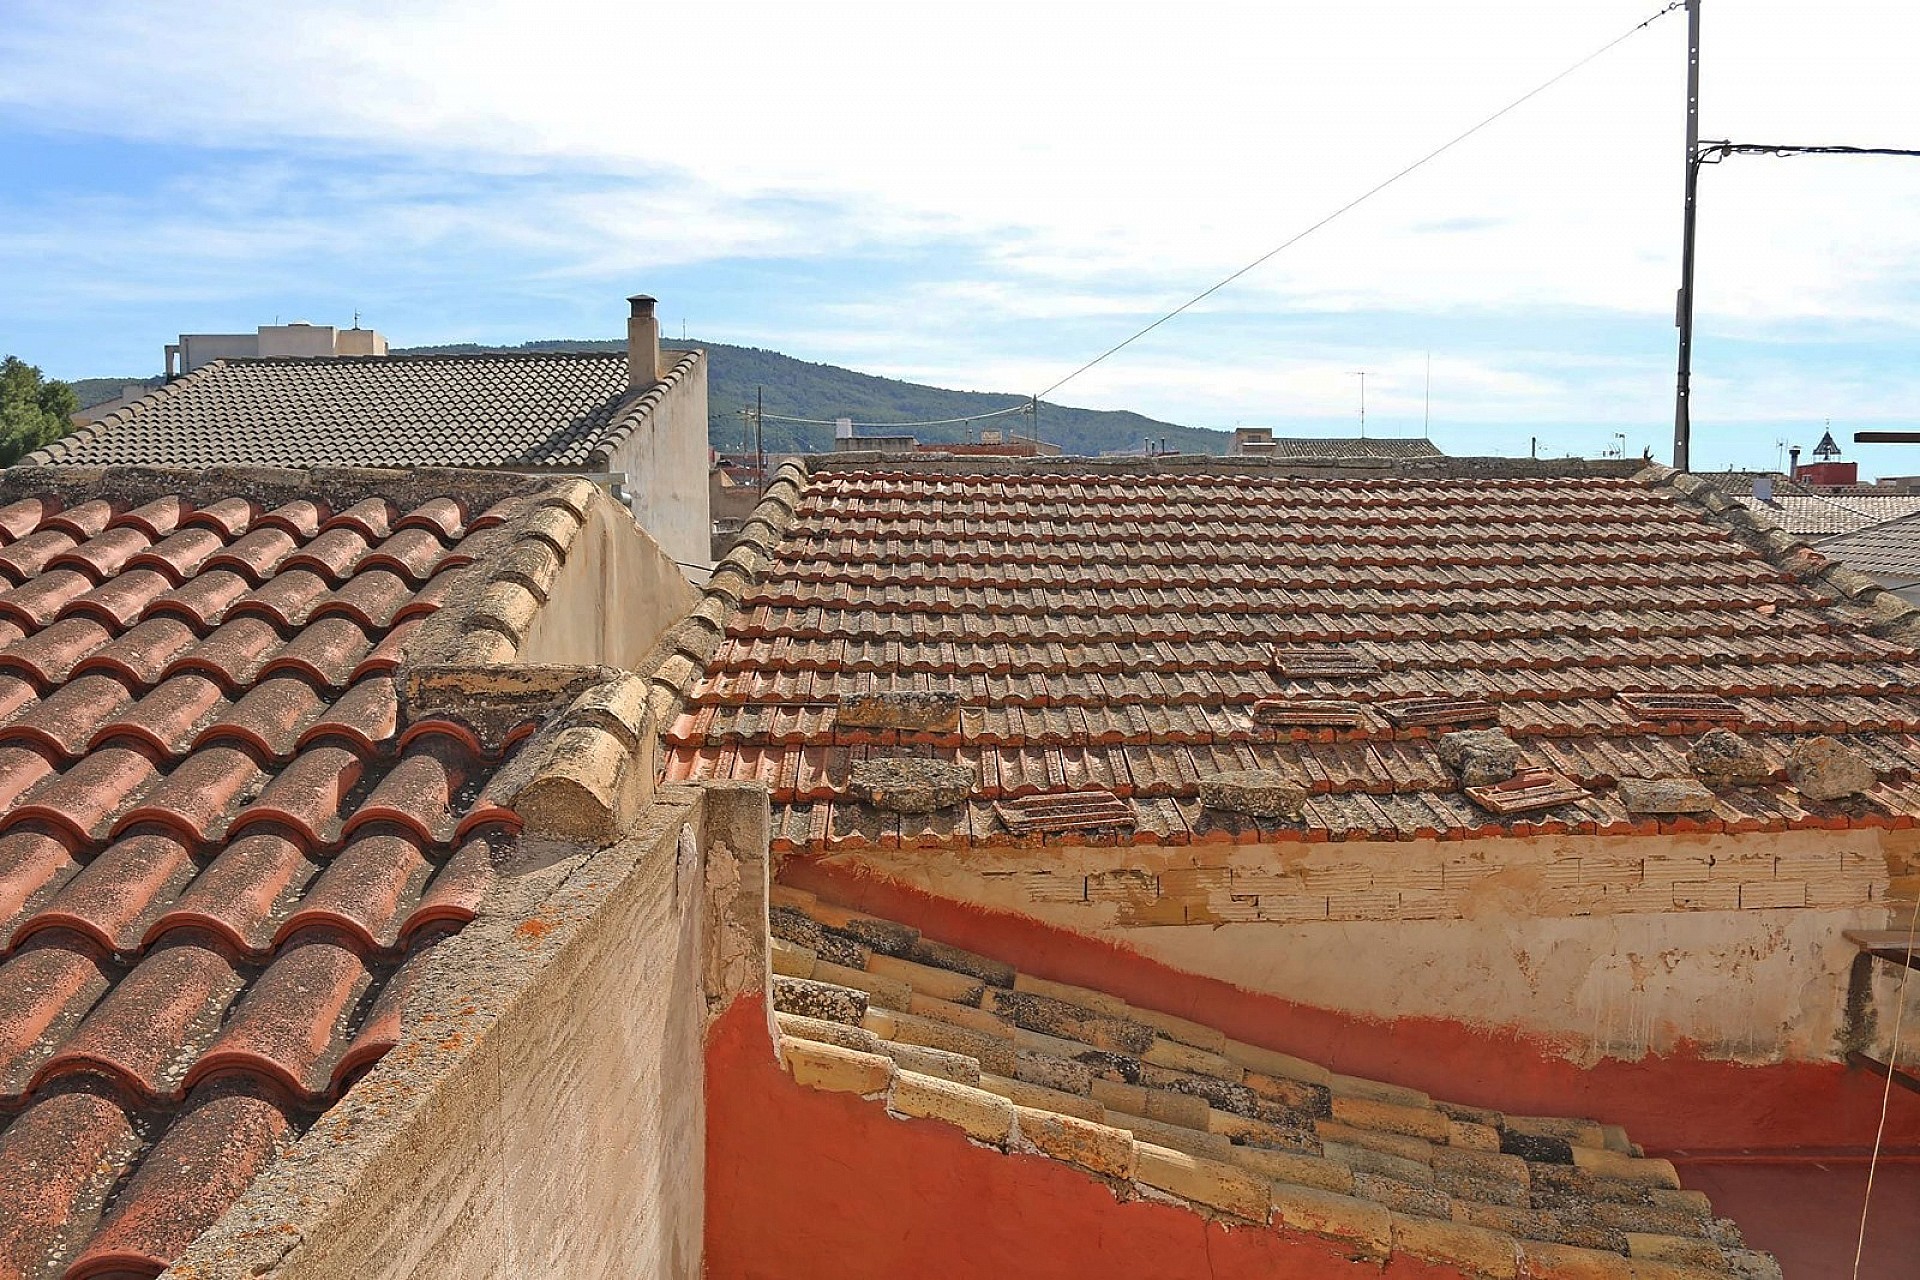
[
  {"x": 1886, "y": 1091},
  {"x": 1715, "y": 152},
  {"x": 1363, "y": 197}
]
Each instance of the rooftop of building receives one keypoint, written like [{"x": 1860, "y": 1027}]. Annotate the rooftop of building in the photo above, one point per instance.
[
  {"x": 1263, "y": 443},
  {"x": 537, "y": 411},
  {"x": 1077, "y": 649},
  {"x": 230, "y": 833},
  {"x": 1888, "y": 550},
  {"x": 1158, "y": 1106}
]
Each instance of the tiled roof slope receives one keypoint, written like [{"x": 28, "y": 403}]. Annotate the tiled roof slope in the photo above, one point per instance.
[
  {"x": 223, "y": 856},
  {"x": 1890, "y": 549},
  {"x": 1161, "y": 1106},
  {"x": 1132, "y": 632},
  {"x": 540, "y": 410},
  {"x": 1353, "y": 447},
  {"x": 1818, "y": 515}
]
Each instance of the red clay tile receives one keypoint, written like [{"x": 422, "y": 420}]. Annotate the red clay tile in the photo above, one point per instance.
[
  {"x": 18, "y": 519},
  {"x": 270, "y": 719},
  {"x": 287, "y": 598},
  {"x": 302, "y": 518},
  {"x": 112, "y": 897},
  {"x": 307, "y": 795},
  {"x": 233, "y": 655},
  {"x": 40, "y": 600},
  {"x": 285, "y": 1027},
  {"x": 53, "y": 1159},
  {"x": 257, "y": 555},
  {"x": 195, "y": 798},
  {"x": 326, "y": 652},
  {"x": 229, "y": 517},
  {"x": 242, "y": 891},
  {"x": 66, "y": 720},
  {"x": 373, "y": 599},
  {"x": 122, "y": 600},
  {"x": 45, "y": 990},
  {"x": 366, "y": 888},
  {"x": 202, "y": 600},
  {"x": 372, "y": 517},
  {"x": 179, "y": 556},
  {"x": 165, "y": 719},
  {"x": 155, "y": 519},
  {"x": 81, "y": 800},
  {"x": 149, "y": 1028},
  {"x": 194, "y": 1173},
  {"x": 444, "y": 517},
  {"x": 332, "y": 555},
  {"x": 417, "y": 792}
]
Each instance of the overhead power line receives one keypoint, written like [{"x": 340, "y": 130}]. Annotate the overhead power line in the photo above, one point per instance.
[{"x": 1364, "y": 196}]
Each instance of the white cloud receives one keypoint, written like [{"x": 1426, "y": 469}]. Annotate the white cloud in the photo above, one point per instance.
[{"x": 1088, "y": 163}]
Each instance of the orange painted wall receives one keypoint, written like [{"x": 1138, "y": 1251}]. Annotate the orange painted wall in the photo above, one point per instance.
[
  {"x": 805, "y": 1185},
  {"x": 1672, "y": 1104}
]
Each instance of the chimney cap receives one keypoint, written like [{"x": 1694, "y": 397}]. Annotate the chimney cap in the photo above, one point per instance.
[{"x": 642, "y": 303}]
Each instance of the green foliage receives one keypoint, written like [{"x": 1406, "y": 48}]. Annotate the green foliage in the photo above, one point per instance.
[
  {"x": 33, "y": 409},
  {"x": 798, "y": 389}
]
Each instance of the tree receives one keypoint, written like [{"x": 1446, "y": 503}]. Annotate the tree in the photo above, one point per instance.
[{"x": 33, "y": 409}]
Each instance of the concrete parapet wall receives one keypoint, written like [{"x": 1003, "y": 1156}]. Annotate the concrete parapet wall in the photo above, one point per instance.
[
  {"x": 544, "y": 1113},
  {"x": 664, "y": 456}
]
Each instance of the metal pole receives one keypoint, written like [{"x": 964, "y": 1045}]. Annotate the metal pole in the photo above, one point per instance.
[
  {"x": 759, "y": 441},
  {"x": 1682, "y": 407}
]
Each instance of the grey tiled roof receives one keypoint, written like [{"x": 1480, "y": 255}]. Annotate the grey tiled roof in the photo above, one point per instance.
[
  {"x": 536, "y": 410},
  {"x": 1392, "y": 448},
  {"x": 1889, "y": 549},
  {"x": 1812, "y": 515}
]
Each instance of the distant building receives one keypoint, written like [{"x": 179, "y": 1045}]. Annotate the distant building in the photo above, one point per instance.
[
  {"x": 1260, "y": 442},
  {"x": 195, "y": 350},
  {"x": 636, "y": 420}
]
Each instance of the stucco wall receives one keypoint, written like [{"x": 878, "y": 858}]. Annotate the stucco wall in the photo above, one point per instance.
[
  {"x": 665, "y": 461},
  {"x": 616, "y": 593},
  {"x": 544, "y": 1113},
  {"x": 1729, "y": 945}
]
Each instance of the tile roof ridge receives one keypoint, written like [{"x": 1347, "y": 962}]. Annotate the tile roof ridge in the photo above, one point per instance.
[
  {"x": 1891, "y": 616},
  {"x": 628, "y": 417},
  {"x": 51, "y": 452},
  {"x": 679, "y": 660},
  {"x": 1189, "y": 464},
  {"x": 479, "y": 488}
]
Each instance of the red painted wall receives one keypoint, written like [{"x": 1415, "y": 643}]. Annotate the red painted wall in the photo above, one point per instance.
[
  {"x": 805, "y": 1185},
  {"x": 1671, "y": 1104}
]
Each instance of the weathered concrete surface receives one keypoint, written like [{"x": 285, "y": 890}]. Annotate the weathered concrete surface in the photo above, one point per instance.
[
  {"x": 617, "y": 593},
  {"x": 544, "y": 1113},
  {"x": 1730, "y": 946},
  {"x": 1720, "y": 755},
  {"x": 665, "y": 460},
  {"x": 1664, "y": 795},
  {"x": 911, "y": 784}
]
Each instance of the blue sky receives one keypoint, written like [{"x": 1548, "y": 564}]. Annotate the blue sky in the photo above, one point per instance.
[{"x": 986, "y": 196}]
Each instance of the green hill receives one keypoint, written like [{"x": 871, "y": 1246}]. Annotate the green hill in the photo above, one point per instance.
[
  {"x": 801, "y": 389},
  {"x": 91, "y": 391}
]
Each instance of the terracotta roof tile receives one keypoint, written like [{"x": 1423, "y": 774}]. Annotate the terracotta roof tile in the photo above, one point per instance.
[
  {"x": 1118, "y": 630},
  {"x": 220, "y": 857}
]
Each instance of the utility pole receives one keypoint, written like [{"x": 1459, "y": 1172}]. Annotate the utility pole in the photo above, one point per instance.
[
  {"x": 1426, "y": 412},
  {"x": 759, "y": 441},
  {"x": 1362, "y": 375},
  {"x": 1683, "y": 390}
]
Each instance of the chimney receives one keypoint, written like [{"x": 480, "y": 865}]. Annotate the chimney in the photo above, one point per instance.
[
  {"x": 1793, "y": 463},
  {"x": 643, "y": 344}
]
